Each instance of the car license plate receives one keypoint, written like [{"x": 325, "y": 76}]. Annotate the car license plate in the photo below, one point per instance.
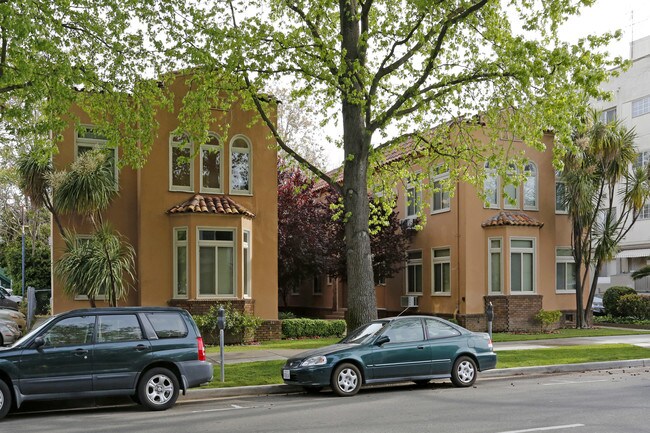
[{"x": 286, "y": 374}]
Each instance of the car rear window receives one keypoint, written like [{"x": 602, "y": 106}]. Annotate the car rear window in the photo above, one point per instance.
[{"x": 168, "y": 325}]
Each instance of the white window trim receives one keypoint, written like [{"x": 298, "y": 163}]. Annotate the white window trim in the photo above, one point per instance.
[
  {"x": 173, "y": 187},
  {"x": 644, "y": 213},
  {"x": 208, "y": 147},
  {"x": 176, "y": 244},
  {"x": 535, "y": 187},
  {"x": 440, "y": 178},
  {"x": 232, "y": 244},
  {"x": 84, "y": 297},
  {"x": 642, "y": 106},
  {"x": 249, "y": 191},
  {"x": 491, "y": 172},
  {"x": 414, "y": 262},
  {"x": 248, "y": 260},
  {"x": 563, "y": 259},
  {"x": 522, "y": 250},
  {"x": 490, "y": 251},
  {"x": 96, "y": 143},
  {"x": 440, "y": 260}
]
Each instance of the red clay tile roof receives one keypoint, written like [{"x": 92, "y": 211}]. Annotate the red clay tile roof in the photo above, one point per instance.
[
  {"x": 511, "y": 218},
  {"x": 211, "y": 204}
]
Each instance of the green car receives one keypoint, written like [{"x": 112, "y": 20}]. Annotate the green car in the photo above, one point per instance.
[
  {"x": 148, "y": 353},
  {"x": 408, "y": 348}
]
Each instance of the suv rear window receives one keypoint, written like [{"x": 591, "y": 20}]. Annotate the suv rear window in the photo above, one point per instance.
[{"x": 168, "y": 325}]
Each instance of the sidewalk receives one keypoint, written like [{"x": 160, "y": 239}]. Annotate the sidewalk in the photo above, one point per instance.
[{"x": 641, "y": 340}]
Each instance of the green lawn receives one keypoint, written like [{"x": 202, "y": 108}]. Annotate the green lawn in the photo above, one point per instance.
[
  {"x": 268, "y": 372},
  {"x": 499, "y": 337}
]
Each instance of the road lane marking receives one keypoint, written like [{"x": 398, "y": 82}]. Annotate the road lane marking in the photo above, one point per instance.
[
  {"x": 554, "y": 427},
  {"x": 573, "y": 382},
  {"x": 222, "y": 409}
]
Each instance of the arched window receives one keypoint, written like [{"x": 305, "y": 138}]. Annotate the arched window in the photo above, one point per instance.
[
  {"x": 491, "y": 186},
  {"x": 530, "y": 187},
  {"x": 511, "y": 191},
  {"x": 212, "y": 165},
  {"x": 240, "y": 166}
]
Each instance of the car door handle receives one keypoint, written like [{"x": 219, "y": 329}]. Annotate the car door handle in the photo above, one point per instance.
[
  {"x": 420, "y": 347},
  {"x": 141, "y": 347},
  {"x": 81, "y": 352}
]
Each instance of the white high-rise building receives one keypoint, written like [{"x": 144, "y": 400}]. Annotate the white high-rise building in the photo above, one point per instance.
[{"x": 631, "y": 105}]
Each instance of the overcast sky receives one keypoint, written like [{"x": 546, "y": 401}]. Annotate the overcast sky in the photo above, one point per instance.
[{"x": 631, "y": 16}]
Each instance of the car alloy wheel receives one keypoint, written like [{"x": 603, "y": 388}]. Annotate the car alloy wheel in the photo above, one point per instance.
[
  {"x": 158, "y": 389},
  {"x": 464, "y": 372},
  {"x": 346, "y": 380},
  {"x": 5, "y": 399}
]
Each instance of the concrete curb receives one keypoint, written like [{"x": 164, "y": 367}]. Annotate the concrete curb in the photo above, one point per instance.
[{"x": 247, "y": 391}]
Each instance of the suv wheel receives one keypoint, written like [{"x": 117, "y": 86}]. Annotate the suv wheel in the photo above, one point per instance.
[
  {"x": 5, "y": 399},
  {"x": 158, "y": 389}
]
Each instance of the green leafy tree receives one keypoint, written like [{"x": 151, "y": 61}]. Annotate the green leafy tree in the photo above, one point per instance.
[
  {"x": 396, "y": 71},
  {"x": 604, "y": 195}
]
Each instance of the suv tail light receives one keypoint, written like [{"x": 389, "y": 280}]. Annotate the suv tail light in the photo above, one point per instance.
[{"x": 199, "y": 340}]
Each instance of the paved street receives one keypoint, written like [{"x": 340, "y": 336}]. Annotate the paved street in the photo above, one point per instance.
[{"x": 595, "y": 402}]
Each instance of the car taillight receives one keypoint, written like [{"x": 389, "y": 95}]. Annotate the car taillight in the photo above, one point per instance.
[
  {"x": 199, "y": 340},
  {"x": 490, "y": 345}
]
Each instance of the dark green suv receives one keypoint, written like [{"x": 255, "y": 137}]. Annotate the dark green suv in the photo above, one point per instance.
[{"x": 148, "y": 353}]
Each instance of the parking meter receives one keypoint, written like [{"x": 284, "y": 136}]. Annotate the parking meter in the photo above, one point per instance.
[
  {"x": 221, "y": 324},
  {"x": 489, "y": 312},
  {"x": 221, "y": 319}
]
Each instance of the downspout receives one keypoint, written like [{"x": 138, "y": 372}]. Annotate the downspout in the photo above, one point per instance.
[{"x": 457, "y": 250}]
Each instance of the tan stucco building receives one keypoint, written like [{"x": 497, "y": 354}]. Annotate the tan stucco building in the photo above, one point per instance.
[
  {"x": 204, "y": 228},
  {"x": 513, "y": 253}
]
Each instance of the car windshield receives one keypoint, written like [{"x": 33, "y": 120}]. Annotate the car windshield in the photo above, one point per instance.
[{"x": 364, "y": 333}]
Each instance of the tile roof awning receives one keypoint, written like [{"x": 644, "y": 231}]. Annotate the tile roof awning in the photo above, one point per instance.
[
  {"x": 211, "y": 204},
  {"x": 627, "y": 254},
  {"x": 511, "y": 218}
]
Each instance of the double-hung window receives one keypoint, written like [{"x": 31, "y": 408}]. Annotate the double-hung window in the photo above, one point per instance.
[
  {"x": 88, "y": 139},
  {"x": 414, "y": 272},
  {"x": 180, "y": 262},
  {"x": 642, "y": 159},
  {"x": 561, "y": 205},
  {"x": 212, "y": 165},
  {"x": 491, "y": 187},
  {"x": 565, "y": 270},
  {"x": 641, "y": 106},
  {"x": 240, "y": 166},
  {"x": 440, "y": 199},
  {"x": 495, "y": 266},
  {"x": 522, "y": 265},
  {"x": 511, "y": 191},
  {"x": 181, "y": 165},
  {"x": 530, "y": 187},
  {"x": 216, "y": 263},
  {"x": 412, "y": 201},
  {"x": 441, "y": 259}
]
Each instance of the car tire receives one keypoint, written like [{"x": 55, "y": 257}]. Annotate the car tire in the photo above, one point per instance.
[
  {"x": 346, "y": 380},
  {"x": 463, "y": 373},
  {"x": 5, "y": 399},
  {"x": 158, "y": 389}
]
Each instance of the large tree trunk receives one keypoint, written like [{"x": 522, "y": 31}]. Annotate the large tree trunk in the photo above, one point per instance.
[
  {"x": 592, "y": 293},
  {"x": 577, "y": 245},
  {"x": 362, "y": 303}
]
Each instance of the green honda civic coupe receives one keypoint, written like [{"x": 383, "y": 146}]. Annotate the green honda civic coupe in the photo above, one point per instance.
[{"x": 408, "y": 348}]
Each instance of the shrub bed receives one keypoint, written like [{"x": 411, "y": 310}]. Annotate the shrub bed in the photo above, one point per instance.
[{"x": 299, "y": 328}]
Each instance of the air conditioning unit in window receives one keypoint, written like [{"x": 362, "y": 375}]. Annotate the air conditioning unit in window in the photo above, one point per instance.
[{"x": 409, "y": 301}]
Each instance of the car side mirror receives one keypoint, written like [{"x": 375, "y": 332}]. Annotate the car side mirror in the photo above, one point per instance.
[
  {"x": 39, "y": 342},
  {"x": 381, "y": 340}
]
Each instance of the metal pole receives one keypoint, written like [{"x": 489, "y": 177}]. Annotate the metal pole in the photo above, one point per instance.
[
  {"x": 223, "y": 377},
  {"x": 22, "y": 287}
]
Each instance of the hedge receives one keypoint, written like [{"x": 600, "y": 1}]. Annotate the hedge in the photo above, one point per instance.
[
  {"x": 611, "y": 297},
  {"x": 297, "y": 328}
]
